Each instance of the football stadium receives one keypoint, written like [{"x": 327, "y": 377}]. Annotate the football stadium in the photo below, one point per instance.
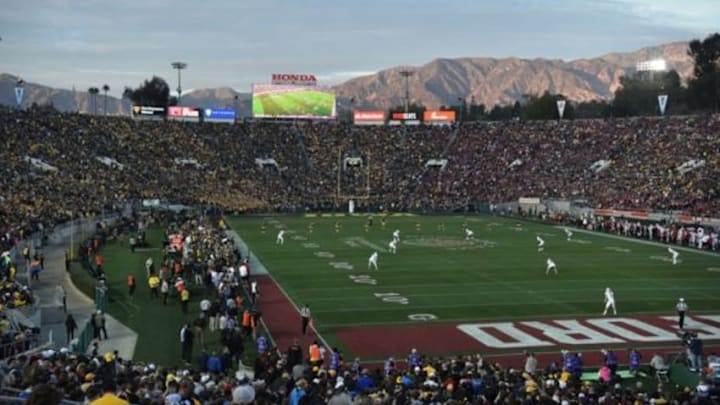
[{"x": 308, "y": 250}]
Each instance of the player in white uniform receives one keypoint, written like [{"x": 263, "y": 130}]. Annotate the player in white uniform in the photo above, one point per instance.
[
  {"x": 396, "y": 235},
  {"x": 568, "y": 233},
  {"x": 609, "y": 301},
  {"x": 372, "y": 261},
  {"x": 541, "y": 243},
  {"x": 280, "y": 240},
  {"x": 674, "y": 254},
  {"x": 392, "y": 246},
  {"x": 550, "y": 266},
  {"x": 469, "y": 234}
]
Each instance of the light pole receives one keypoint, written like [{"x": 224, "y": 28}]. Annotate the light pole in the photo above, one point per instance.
[
  {"x": 179, "y": 66},
  {"x": 406, "y": 74},
  {"x": 461, "y": 107}
]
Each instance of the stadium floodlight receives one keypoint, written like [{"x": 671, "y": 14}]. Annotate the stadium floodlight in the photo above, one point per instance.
[
  {"x": 406, "y": 74},
  {"x": 654, "y": 65},
  {"x": 179, "y": 66}
]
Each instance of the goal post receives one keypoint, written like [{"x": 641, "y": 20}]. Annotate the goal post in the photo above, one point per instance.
[{"x": 343, "y": 196}]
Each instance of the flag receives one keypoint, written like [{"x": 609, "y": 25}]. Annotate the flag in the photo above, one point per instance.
[
  {"x": 19, "y": 93},
  {"x": 662, "y": 103},
  {"x": 561, "y": 108}
]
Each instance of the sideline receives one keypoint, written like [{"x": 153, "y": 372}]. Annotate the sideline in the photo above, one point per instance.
[
  {"x": 255, "y": 263},
  {"x": 644, "y": 242},
  {"x": 255, "y": 260}
]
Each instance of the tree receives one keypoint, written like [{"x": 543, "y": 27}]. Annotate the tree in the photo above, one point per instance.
[
  {"x": 639, "y": 97},
  {"x": 544, "y": 107},
  {"x": 704, "y": 88},
  {"x": 105, "y": 88},
  {"x": 504, "y": 112},
  {"x": 476, "y": 112},
  {"x": 593, "y": 109},
  {"x": 92, "y": 100},
  {"x": 153, "y": 92}
]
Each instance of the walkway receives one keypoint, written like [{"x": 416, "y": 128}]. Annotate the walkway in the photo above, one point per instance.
[{"x": 53, "y": 280}]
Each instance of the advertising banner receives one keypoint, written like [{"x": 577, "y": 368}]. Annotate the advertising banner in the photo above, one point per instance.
[
  {"x": 226, "y": 115},
  {"x": 401, "y": 116},
  {"x": 375, "y": 117},
  {"x": 442, "y": 117},
  {"x": 294, "y": 78},
  {"x": 187, "y": 114},
  {"x": 148, "y": 113}
]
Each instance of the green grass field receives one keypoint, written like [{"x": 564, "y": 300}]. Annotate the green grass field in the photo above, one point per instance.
[
  {"x": 296, "y": 103},
  {"x": 500, "y": 275},
  {"x": 157, "y": 325}
]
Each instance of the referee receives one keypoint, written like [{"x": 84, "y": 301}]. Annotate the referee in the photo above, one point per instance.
[
  {"x": 305, "y": 315},
  {"x": 681, "y": 309}
]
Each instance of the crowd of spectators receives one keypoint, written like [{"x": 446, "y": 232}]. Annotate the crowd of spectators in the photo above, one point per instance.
[
  {"x": 85, "y": 165},
  {"x": 288, "y": 377}
]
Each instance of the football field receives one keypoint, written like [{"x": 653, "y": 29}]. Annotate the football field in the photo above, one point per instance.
[{"x": 440, "y": 278}]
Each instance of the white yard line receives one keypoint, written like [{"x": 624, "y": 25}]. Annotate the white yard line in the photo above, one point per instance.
[{"x": 645, "y": 242}]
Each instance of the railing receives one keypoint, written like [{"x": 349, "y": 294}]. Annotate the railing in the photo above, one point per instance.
[
  {"x": 84, "y": 339},
  {"x": 27, "y": 345}
]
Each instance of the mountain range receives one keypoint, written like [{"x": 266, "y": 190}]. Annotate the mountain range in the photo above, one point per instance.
[{"x": 488, "y": 81}]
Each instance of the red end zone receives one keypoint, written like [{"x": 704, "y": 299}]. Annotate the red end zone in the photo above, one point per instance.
[
  {"x": 496, "y": 338},
  {"x": 502, "y": 340}
]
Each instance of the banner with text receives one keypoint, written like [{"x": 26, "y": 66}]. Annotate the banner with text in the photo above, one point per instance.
[
  {"x": 407, "y": 118},
  {"x": 148, "y": 113},
  {"x": 294, "y": 78},
  {"x": 375, "y": 117},
  {"x": 439, "y": 117},
  {"x": 186, "y": 114},
  {"x": 226, "y": 115}
]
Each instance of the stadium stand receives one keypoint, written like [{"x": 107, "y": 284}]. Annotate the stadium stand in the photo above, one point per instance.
[{"x": 68, "y": 166}]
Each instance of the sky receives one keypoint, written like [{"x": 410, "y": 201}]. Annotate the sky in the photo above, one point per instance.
[{"x": 83, "y": 43}]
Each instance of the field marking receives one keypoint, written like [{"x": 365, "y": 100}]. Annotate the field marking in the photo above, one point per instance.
[
  {"x": 617, "y": 249},
  {"x": 645, "y": 242},
  {"x": 422, "y": 317},
  {"x": 664, "y": 259},
  {"x": 716, "y": 269},
  {"x": 367, "y": 243},
  {"x": 551, "y": 317},
  {"x": 580, "y": 241}
]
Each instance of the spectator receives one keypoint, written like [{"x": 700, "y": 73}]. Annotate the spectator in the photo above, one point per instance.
[{"x": 70, "y": 327}]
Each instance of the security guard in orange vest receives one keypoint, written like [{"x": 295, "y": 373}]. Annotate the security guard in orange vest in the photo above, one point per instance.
[
  {"x": 314, "y": 352},
  {"x": 248, "y": 322}
]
